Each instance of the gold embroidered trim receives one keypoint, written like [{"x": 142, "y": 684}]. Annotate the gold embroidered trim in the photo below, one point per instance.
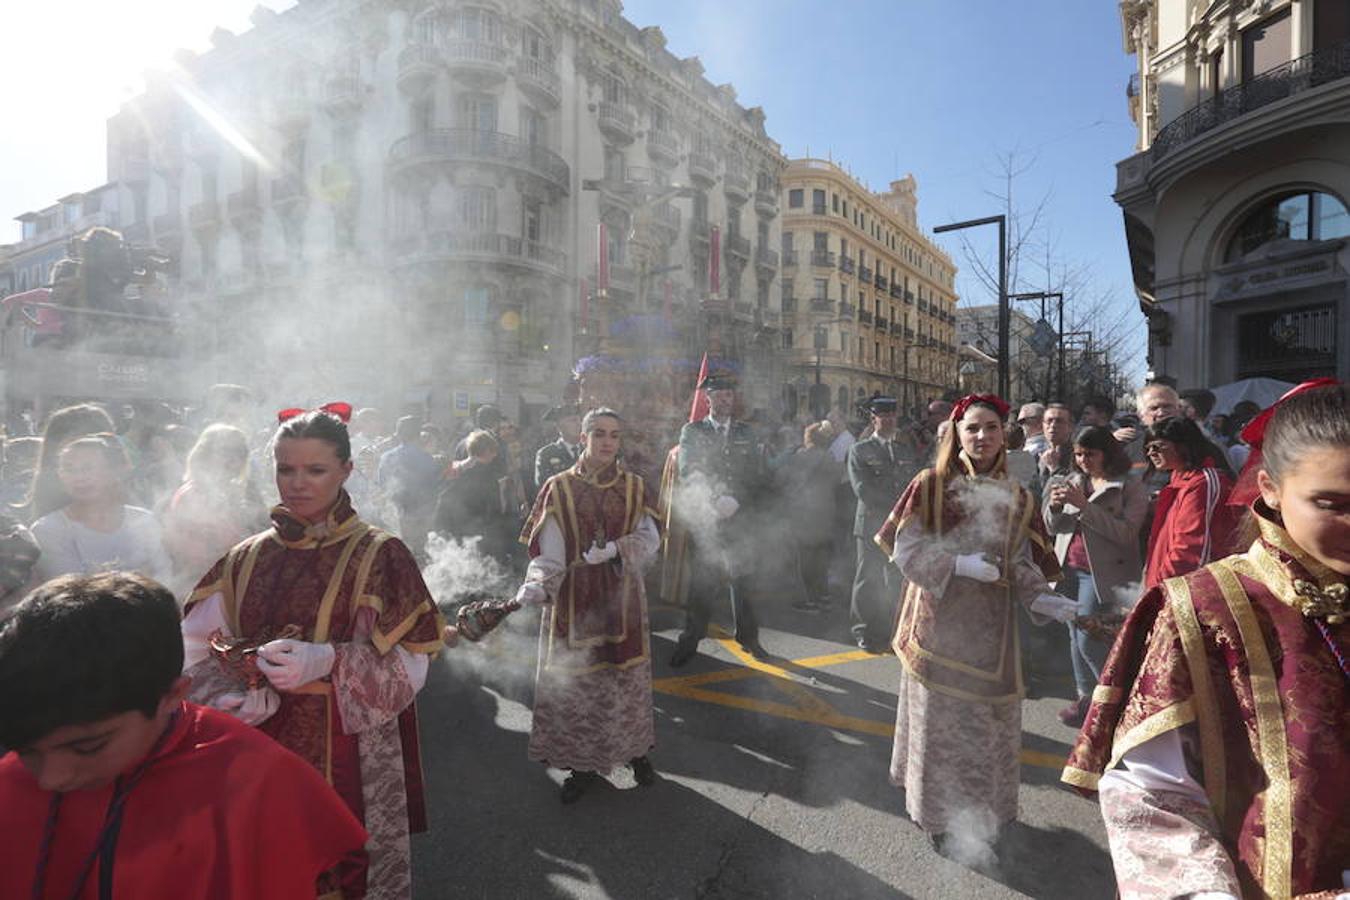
[
  {"x": 1277, "y": 811},
  {"x": 1107, "y": 694},
  {"x": 1212, "y": 757},
  {"x": 1169, "y": 719},
  {"x": 323, "y": 620},
  {"x": 1015, "y": 696},
  {"x": 1080, "y": 778}
]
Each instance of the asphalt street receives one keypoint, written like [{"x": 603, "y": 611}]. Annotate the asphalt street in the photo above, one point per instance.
[{"x": 772, "y": 784}]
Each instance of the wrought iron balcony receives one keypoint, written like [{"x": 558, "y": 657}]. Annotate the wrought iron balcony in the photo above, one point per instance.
[
  {"x": 667, "y": 216},
  {"x": 880, "y": 282},
  {"x": 864, "y": 274},
  {"x": 540, "y": 79},
  {"x": 846, "y": 265},
  {"x": 909, "y": 334},
  {"x": 897, "y": 329},
  {"x": 923, "y": 305},
  {"x": 343, "y": 94},
  {"x": 736, "y": 185},
  {"x": 702, "y": 169},
  {"x": 474, "y": 246},
  {"x": 663, "y": 147},
  {"x": 1294, "y": 77},
  {"x": 822, "y": 258},
  {"x": 459, "y": 145},
  {"x": 909, "y": 298},
  {"x": 766, "y": 202},
  {"x": 617, "y": 121},
  {"x": 417, "y": 65},
  {"x": 766, "y": 258},
  {"x": 738, "y": 245},
  {"x": 897, "y": 292},
  {"x": 822, "y": 305},
  {"x": 847, "y": 311},
  {"x": 864, "y": 317},
  {"x": 481, "y": 61},
  {"x": 881, "y": 323}
]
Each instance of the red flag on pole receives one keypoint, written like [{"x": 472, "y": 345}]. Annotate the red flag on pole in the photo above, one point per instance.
[
  {"x": 698, "y": 408},
  {"x": 602, "y": 260},
  {"x": 715, "y": 261}
]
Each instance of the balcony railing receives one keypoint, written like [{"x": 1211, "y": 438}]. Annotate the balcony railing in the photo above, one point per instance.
[
  {"x": 909, "y": 298},
  {"x": 342, "y": 92},
  {"x": 663, "y": 145},
  {"x": 897, "y": 330},
  {"x": 736, "y": 185},
  {"x": 864, "y": 273},
  {"x": 822, "y": 305},
  {"x": 880, "y": 282},
  {"x": 789, "y": 259},
  {"x": 1305, "y": 73},
  {"x": 702, "y": 167},
  {"x": 540, "y": 76},
  {"x": 467, "y": 144},
  {"x": 818, "y": 209},
  {"x": 667, "y": 215},
  {"x": 847, "y": 310},
  {"x": 738, "y": 245},
  {"x": 846, "y": 265},
  {"x": 823, "y": 258},
  {"x": 480, "y": 244},
  {"x": 881, "y": 323},
  {"x": 616, "y": 120},
  {"x": 864, "y": 317},
  {"x": 897, "y": 292},
  {"x": 475, "y": 54},
  {"x": 766, "y": 201}
]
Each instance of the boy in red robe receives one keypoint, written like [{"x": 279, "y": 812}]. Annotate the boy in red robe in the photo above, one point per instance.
[{"x": 118, "y": 788}]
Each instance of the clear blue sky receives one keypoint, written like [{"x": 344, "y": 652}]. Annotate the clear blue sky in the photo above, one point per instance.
[{"x": 941, "y": 89}]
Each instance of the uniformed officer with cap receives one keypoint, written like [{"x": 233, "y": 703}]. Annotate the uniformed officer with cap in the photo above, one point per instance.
[
  {"x": 721, "y": 454},
  {"x": 879, "y": 470},
  {"x": 563, "y": 453}
]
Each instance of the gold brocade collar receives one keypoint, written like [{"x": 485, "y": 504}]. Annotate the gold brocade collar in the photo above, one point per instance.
[
  {"x": 998, "y": 470},
  {"x": 296, "y": 534},
  {"x": 605, "y": 477},
  {"x": 1293, "y": 576}
]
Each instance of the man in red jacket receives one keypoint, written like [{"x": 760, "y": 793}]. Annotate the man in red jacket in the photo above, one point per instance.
[{"x": 118, "y": 788}]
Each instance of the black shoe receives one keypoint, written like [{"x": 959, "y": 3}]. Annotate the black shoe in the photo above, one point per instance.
[
  {"x": 643, "y": 772},
  {"x": 576, "y": 785},
  {"x": 868, "y": 645},
  {"x": 683, "y": 653},
  {"x": 755, "y": 649}
]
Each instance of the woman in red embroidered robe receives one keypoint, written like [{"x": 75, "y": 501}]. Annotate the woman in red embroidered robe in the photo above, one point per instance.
[
  {"x": 970, "y": 544},
  {"x": 345, "y": 626},
  {"x": 1218, "y": 736},
  {"x": 591, "y": 535}
]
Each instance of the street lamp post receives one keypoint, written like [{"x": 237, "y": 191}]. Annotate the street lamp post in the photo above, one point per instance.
[{"x": 1003, "y": 318}]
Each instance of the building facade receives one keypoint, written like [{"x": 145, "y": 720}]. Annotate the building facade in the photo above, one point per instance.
[
  {"x": 404, "y": 203},
  {"x": 869, "y": 301},
  {"x": 1235, "y": 201},
  {"x": 1029, "y": 374}
]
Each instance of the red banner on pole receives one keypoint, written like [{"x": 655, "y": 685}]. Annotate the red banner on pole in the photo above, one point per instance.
[
  {"x": 715, "y": 261},
  {"x": 602, "y": 260},
  {"x": 698, "y": 406}
]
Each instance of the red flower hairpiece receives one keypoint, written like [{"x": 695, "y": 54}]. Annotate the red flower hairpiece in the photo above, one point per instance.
[
  {"x": 970, "y": 400},
  {"x": 1245, "y": 491},
  {"x": 342, "y": 411}
]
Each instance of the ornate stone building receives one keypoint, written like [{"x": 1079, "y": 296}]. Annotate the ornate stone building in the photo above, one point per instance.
[
  {"x": 1235, "y": 201},
  {"x": 869, "y": 300},
  {"x": 404, "y": 202}
]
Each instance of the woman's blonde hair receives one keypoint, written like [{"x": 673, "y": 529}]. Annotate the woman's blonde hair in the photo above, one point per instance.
[{"x": 479, "y": 442}]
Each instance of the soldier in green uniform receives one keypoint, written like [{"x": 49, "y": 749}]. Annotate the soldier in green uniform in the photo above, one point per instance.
[
  {"x": 879, "y": 469},
  {"x": 563, "y": 453},
  {"x": 720, "y": 457}
]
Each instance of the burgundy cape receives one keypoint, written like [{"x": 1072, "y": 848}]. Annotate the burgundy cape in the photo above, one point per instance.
[
  {"x": 1230, "y": 649},
  {"x": 223, "y": 813}
]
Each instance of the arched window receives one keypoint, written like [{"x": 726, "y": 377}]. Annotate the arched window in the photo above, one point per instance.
[{"x": 1298, "y": 216}]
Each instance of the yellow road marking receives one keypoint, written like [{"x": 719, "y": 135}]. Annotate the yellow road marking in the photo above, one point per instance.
[{"x": 809, "y": 707}]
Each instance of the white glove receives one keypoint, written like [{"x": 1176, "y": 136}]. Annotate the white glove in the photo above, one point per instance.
[
  {"x": 725, "y": 506},
  {"x": 597, "y": 555},
  {"x": 532, "y": 593},
  {"x": 250, "y": 707},
  {"x": 291, "y": 664},
  {"x": 975, "y": 567},
  {"x": 1055, "y": 606}
]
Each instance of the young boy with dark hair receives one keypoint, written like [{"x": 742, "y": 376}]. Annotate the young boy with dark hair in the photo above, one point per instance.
[{"x": 118, "y": 788}]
